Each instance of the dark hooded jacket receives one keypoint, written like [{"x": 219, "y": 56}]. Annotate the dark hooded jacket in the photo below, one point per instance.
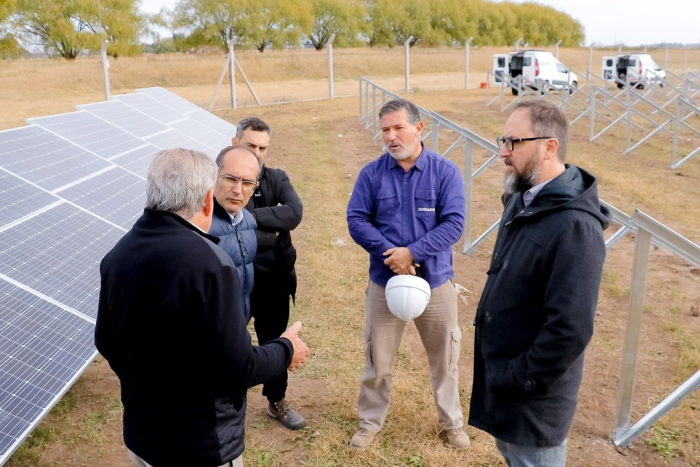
[
  {"x": 277, "y": 210},
  {"x": 535, "y": 317}
]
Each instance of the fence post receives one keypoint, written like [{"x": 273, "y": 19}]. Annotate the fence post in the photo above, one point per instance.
[
  {"x": 232, "y": 72},
  {"x": 105, "y": 69},
  {"x": 517, "y": 44},
  {"x": 666, "y": 59},
  {"x": 330, "y": 66},
  {"x": 634, "y": 325},
  {"x": 467, "y": 45},
  {"x": 556, "y": 48},
  {"x": 406, "y": 47},
  {"x": 685, "y": 59}
]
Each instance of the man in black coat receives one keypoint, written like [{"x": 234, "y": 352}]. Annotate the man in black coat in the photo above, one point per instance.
[
  {"x": 535, "y": 317},
  {"x": 171, "y": 325},
  {"x": 277, "y": 210}
]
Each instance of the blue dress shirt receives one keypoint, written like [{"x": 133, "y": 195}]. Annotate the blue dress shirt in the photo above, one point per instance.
[{"x": 422, "y": 209}]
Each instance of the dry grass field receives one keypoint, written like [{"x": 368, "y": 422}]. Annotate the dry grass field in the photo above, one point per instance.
[{"x": 322, "y": 147}]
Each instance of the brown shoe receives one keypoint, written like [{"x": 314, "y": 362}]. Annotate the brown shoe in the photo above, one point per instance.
[
  {"x": 457, "y": 438},
  {"x": 362, "y": 438}
]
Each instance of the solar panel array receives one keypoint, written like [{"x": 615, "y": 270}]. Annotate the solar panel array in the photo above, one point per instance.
[{"x": 71, "y": 185}]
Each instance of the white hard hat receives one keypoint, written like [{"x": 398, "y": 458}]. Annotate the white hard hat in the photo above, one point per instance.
[{"x": 407, "y": 296}]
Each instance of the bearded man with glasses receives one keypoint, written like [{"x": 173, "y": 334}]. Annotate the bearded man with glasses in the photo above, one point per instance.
[
  {"x": 239, "y": 168},
  {"x": 535, "y": 316}
]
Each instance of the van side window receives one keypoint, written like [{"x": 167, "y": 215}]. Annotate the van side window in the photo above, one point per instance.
[
  {"x": 609, "y": 62},
  {"x": 501, "y": 62},
  {"x": 527, "y": 61},
  {"x": 561, "y": 68},
  {"x": 633, "y": 62}
]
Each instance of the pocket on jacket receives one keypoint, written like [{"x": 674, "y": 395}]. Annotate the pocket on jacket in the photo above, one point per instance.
[{"x": 455, "y": 339}]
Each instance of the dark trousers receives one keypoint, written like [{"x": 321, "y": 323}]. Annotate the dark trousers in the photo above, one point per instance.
[{"x": 269, "y": 307}]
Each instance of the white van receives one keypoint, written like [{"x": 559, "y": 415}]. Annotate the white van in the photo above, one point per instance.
[
  {"x": 638, "y": 69},
  {"x": 534, "y": 66}
]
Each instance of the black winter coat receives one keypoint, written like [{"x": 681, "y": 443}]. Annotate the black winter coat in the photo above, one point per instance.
[
  {"x": 170, "y": 323},
  {"x": 275, "y": 251},
  {"x": 535, "y": 316}
]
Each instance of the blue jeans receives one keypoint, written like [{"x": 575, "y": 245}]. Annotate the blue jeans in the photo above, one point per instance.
[{"x": 532, "y": 456}]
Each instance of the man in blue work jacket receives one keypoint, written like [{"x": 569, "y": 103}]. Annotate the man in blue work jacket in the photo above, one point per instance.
[{"x": 407, "y": 210}]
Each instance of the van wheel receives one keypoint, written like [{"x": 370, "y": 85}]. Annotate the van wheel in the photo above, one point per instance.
[
  {"x": 514, "y": 91},
  {"x": 574, "y": 84},
  {"x": 620, "y": 86},
  {"x": 661, "y": 85}
]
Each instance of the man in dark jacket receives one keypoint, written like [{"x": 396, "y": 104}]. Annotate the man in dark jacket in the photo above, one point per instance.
[
  {"x": 239, "y": 168},
  {"x": 535, "y": 317},
  {"x": 277, "y": 210},
  {"x": 170, "y": 323}
]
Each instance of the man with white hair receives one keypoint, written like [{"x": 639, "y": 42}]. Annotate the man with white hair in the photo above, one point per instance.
[{"x": 171, "y": 325}]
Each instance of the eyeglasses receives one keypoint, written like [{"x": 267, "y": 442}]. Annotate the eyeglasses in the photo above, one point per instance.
[
  {"x": 231, "y": 181},
  {"x": 509, "y": 143}
]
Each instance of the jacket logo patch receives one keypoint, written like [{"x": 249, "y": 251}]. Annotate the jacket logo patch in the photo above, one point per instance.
[{"x": 426, "y": 209}]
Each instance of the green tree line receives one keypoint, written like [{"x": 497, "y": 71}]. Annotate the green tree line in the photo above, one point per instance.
[{"x": 67, "y": 27}]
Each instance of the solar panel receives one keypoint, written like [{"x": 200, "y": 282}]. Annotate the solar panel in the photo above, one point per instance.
[
  {"x": 126, "y": 117},
  {"x": 170, "y": 99},
  {"x": 140, "y": 124},
  {"x": 151, "y": 107},
  {"x": 90, "y": 132},
  {"x": 45, "y": 159},
  {"x": 173, "y": 139},
  {"x": 19, "y": 199},
  {"x": 194, "y": 129},
  {"x": 71, "y": 185},
  {"x": 57, "y": 253},
  {"x": 115, "y": 195},
  {"x": 43, "y": 350},
  {"x": 137, "y": 161},
  {"x": 194, "y": 112}
]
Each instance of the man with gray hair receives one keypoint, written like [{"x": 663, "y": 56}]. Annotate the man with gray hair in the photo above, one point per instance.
[
  {"x": 407, "y": 210},
  {"x": 535, "y": 316},
  {"x": 171, "y": 325}
]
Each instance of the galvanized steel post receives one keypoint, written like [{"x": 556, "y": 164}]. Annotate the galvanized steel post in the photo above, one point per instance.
[
  {"x": 330, "y": 66},
  {"x": 406, "y": 46},
  {"x": 467, "y": 45},
  {"x": 634, "y": 326}
]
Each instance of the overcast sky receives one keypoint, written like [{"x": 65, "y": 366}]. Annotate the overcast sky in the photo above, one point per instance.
[{"x": 608, "y": 22}]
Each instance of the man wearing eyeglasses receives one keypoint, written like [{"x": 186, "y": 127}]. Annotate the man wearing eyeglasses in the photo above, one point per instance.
[
  {"x": 277, "y": 211},
  {"x": 535, "y": 316},
  {"x": 238, "y": 177}
]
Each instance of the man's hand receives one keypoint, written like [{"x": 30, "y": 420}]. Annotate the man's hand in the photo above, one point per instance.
[
  {"x": 301, "y": 351},
  {"x": 400, "y": 260}
]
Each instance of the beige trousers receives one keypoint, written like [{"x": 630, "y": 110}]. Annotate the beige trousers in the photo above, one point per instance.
[
  {"x": 138, "y": 462},
  {"x": 439, "y": 331}
]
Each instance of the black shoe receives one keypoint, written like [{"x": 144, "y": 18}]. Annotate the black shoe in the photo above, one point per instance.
[{"x": 289, "y": 417}]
